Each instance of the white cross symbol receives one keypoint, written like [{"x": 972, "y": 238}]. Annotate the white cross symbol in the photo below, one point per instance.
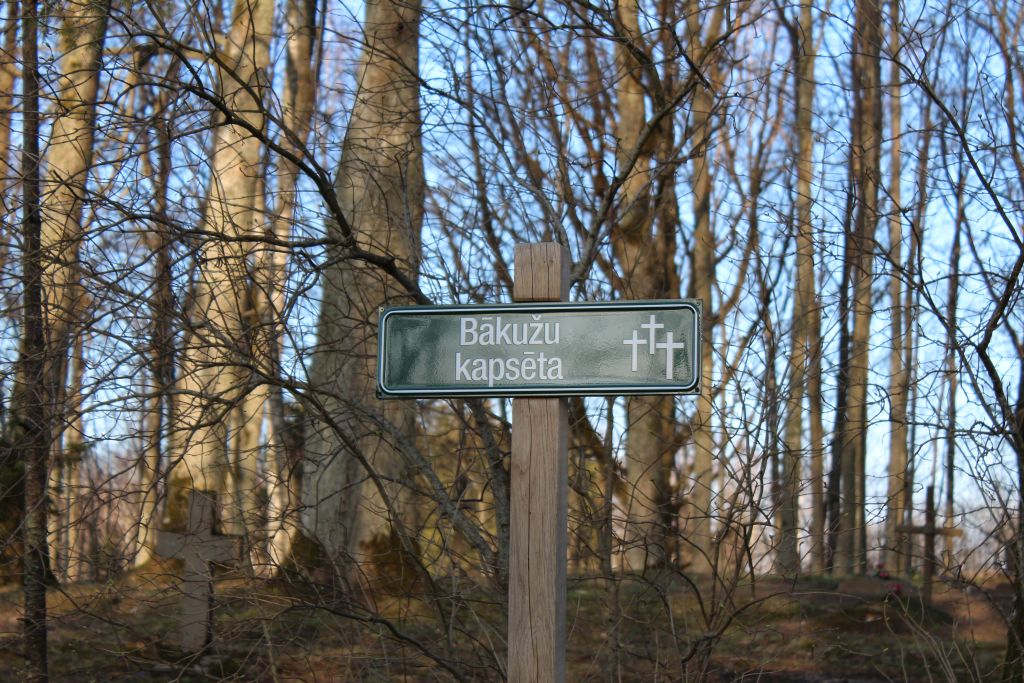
[
  {"x": 653, "y": 326},
  {"x": 634, "y": 342},
  {"x": 670, "y": 348}
]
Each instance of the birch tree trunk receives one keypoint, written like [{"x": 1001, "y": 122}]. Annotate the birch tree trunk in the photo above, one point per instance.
[
  {"x": 353, "y": 475},
  {"x": 211, "y": 381}
]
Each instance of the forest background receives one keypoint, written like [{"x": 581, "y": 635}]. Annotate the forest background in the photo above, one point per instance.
[{"x": 205, "y": 205}]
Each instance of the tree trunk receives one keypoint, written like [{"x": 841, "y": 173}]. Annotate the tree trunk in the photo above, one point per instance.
[
  {"x": 640, "y": 257},
  {"x": 161, "y": 362},
  {"x": 804, "y": 299},
  {"x": 31, "y": 433},
  {"x": 952, "y": 369},
  {"x": 297, "y": 104},
  {"x": 8, "y": 74},
  {"x": 74, "y": 453},
  {"x": 819, "y": 557},
  {"x": 353, "y": 474},
  {"x": 699, "y": 530},
  {"x": 833, "y": 494},
  {"x": 211, "y": 380},
  {"x": 865, "y": 150},
  {"x": 244, "y": 515},
  {"x": 68, "y": 160},
  {"x": 899, "y": 373},
  {"x": 910, "y": 307},
  {"x": 243, "y": 474},
  {"x": 698, "y": 527}
]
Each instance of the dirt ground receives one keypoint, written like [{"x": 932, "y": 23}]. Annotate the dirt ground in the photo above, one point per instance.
[
  {"x": 864, "y": 630},
  {"x": 812, "y": 631}
]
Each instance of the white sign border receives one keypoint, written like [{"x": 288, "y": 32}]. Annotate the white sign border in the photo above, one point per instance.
[{"x": 694, "y": 305}]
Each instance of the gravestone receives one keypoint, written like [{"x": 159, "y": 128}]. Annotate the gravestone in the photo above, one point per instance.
[{"x": 199, "y": 546}]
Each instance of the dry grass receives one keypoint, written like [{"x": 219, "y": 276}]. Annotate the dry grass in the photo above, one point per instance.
[{"x": 811, "y": 631}]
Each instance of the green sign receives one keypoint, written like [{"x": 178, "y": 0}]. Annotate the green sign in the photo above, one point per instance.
[{"x": 549, "y": 349}]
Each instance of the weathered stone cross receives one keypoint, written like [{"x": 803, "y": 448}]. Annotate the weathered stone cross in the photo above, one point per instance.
[
  {"x": 198, "y": 547},
  {"x": 929, "y": 531}
]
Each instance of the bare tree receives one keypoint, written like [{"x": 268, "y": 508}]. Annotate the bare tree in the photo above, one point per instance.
[
  {"x": 30, "y": 436},
  {"x": 206, "y": 454},
  {"x": 642, "y": 261},
  {"x": 355, "y": 479},
  {"x": 152, "y": 461},
  {"x": 68, "y": 161},
  {"x": 900, "y": 317},
  {"x": 865, "y": 157},
  {"x": 297, "y": 104},
  {"x": 703, "y": 33},
  {"x": 804, "y": 306}
]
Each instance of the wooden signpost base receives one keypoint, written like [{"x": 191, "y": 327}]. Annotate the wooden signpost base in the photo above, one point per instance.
[{"x": 538, "y": 534}]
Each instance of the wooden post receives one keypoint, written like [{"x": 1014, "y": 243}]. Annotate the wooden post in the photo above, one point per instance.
[
  {"x": 198, "y": 546},
  {"x": 929, "y": 531},
  {"x": 538, "y": 534}
]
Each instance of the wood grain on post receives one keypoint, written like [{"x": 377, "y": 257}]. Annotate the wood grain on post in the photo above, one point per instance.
[{"x": 538, "y": 536}]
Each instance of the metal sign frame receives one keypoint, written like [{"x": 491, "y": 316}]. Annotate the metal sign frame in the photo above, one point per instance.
[{"x": 639, "y": 389}]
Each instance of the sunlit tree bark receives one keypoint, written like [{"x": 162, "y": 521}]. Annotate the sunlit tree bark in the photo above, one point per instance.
[
  {"x": 210, "y": 382},
  {"x": 900, "y": 318},
  {"x": 865, "y": 156},
  {"x": 68, "y": 161},
  {"x": 803, "y": 312},
  {"x": 354, "y": 485},
  {"x": 641, "y": 259},
  {"x": 698, "y": 527},
  {"x": 297, "y": 103},
  {"x": 161, "y": 354}
]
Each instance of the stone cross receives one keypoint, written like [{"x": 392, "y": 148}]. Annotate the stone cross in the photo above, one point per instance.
[
  {"x": 198, "y": 547},
  {"x": 929, "y": 531}
]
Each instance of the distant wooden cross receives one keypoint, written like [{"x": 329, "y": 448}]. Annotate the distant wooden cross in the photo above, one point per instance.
[
  {"x": 199, "y": 546},
  {"x": 929, "y": 531}
]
